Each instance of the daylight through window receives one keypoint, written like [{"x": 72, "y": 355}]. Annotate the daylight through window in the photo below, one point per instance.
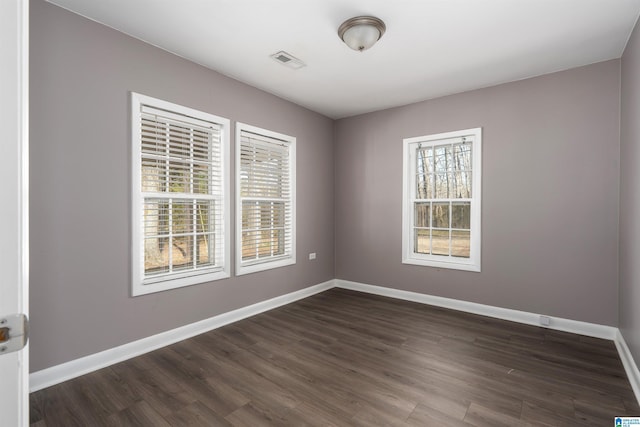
[
  {"x": 181, "y": 205},
  {"x": 266, "y": 199},
  {"x": 441, "y": 223}
]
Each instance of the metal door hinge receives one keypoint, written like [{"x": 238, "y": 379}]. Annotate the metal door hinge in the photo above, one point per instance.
[{"x": 14, "y": 333}]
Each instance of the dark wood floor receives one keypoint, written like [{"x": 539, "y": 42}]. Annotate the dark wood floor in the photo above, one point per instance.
[{"x": 343, "y": 358}]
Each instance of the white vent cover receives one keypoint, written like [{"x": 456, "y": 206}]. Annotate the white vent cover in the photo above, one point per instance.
[{"x": 288, "y": 60}]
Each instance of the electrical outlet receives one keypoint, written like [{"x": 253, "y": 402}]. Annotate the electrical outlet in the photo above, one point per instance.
[
  {"x": 545, "y": 320},
  {"x": 312, "y": 255}
]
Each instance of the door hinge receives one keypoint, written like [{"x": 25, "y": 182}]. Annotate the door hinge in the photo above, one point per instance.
[{"x": 14, "y": 332}]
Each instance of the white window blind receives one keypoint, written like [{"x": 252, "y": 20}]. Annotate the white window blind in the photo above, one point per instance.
[
  {"x": 266, "y": 208},
  {"x": 181, "y": 205}
]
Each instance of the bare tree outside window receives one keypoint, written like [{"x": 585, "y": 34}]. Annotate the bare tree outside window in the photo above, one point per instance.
[{"x": 441, "y": 200}]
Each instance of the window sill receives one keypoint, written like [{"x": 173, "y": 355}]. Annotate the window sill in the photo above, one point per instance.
[
  {"x": 262, "y": 266},
  {"x": 466, "y": 266},
  {"x": 165, "y": 285}
]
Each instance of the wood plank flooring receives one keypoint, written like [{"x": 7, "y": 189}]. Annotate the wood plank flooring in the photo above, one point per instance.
[{"x": 343, "y": 358}]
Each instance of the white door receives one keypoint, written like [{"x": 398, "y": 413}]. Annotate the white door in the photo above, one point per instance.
[{"x": 14, "y": 366}]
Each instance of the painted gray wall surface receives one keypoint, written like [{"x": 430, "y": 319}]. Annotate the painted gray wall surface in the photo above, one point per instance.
[
  {"x": 549, "y": 200},
  {"x": 630, "y": 195},
  {"x": 81, "y": 75}
]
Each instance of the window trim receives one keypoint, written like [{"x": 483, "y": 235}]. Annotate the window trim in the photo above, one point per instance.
[
  {"x": 285, "y": 260},
  {"x": 140, "y": 286},
  {"x": 409, "y": 256}
]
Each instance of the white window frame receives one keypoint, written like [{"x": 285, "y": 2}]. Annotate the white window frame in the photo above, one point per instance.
[
  {"x": 409, "y": 255},
  {"x": 246, "y": 267},
  {"x": 141, "y": 285}
]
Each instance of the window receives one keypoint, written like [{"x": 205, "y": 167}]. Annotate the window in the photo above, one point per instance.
[
  {"x": 180, "y": 196},
  {"x": 441, "y": 200},
  {"x": 265, "y": 202}
]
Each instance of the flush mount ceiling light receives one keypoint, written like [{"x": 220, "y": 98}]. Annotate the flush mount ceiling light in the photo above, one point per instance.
[{"x": 361, "y": 32}]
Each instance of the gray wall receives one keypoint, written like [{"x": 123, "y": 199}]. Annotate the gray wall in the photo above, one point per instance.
[
  {"x": 81, "y": 75},
  {"x": 550, "y": 194},
  {"x": 630, "y": 195},
  {"x": 550, "y": 191}
]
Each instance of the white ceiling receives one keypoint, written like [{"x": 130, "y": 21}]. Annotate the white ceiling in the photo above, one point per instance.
[{"x": 431, "y": 47}]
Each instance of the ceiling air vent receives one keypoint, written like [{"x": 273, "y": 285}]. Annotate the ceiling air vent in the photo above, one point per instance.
[{"x": 288, "y": 60}]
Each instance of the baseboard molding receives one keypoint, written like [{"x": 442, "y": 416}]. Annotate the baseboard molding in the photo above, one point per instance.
[
  {"x": 75, "y": 368},
  {"x": 629, "y": 364},
  {"x": 557, "y": 323}
]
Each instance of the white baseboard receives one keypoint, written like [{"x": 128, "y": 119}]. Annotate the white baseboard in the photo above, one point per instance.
[
  {"x": 629, "y": 364},
  {"x": 557, "y": 323},
  {"x": 75, "y": 368}
]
